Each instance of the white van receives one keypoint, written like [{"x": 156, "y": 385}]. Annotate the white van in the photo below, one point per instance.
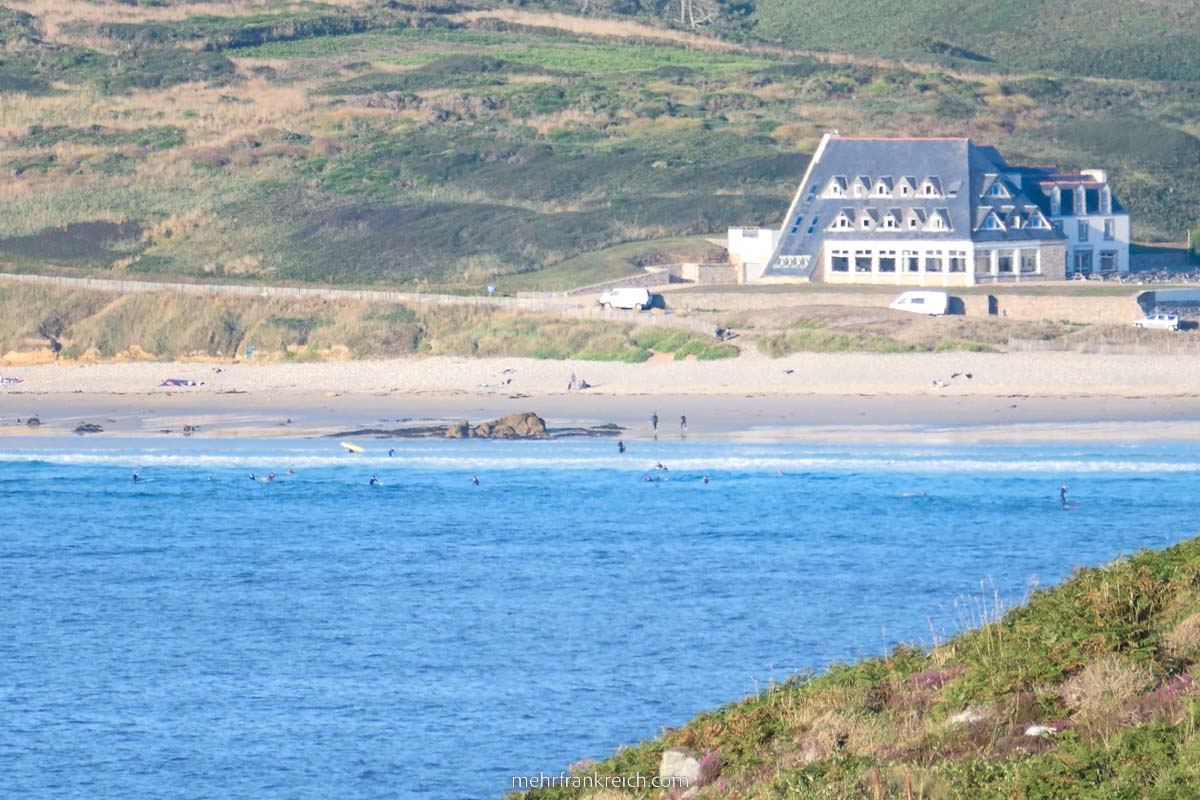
[
  {"x": 920, "y": 301},
  {"x": 628, "y": 298}
]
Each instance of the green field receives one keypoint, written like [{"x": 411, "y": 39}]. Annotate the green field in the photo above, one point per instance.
[{"x": 369, "y": 143}]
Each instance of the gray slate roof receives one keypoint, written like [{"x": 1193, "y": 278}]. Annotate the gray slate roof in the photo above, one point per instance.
[{"x": 962, "y": 172}]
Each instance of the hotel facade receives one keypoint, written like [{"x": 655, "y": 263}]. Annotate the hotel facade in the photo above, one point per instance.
[{"x": 934, "y": 212}]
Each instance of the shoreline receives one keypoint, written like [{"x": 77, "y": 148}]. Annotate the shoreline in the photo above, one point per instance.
[{"x": 851, "y": 397}]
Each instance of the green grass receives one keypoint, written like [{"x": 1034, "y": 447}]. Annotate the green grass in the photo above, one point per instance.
[
  {"x": 1104, "y": 37},
  {"x": 610, "y": 263},
  {"x": 585, "y": 58},
  {"x": 1105, "y": 659}
]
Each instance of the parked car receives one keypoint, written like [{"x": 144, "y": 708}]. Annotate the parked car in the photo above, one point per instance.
[
  {"x": 634, "y": 299},
  {"x": 1161, "y": 322},
  {"x": 919, "y": 301}
]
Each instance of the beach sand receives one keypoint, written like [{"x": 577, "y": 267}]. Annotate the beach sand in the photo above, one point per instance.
[{"x": 855, "y": 396}]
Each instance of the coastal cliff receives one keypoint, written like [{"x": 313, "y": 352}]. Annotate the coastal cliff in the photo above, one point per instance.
[{"x": 1087, "y": 691}]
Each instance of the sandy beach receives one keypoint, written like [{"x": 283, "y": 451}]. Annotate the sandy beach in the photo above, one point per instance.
[{"x": 1011, "y": 396}]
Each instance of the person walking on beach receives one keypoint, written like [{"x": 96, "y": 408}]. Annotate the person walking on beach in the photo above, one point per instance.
[
  {"x": 683, "y": 426},
  {"x": 654, "y": 422}
]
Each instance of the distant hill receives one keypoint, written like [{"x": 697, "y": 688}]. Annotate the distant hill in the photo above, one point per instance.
[{"x": 1087, "y": 692}]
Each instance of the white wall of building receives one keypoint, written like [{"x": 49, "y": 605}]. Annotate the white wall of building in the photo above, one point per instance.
[{"x": 750, "y": 249}]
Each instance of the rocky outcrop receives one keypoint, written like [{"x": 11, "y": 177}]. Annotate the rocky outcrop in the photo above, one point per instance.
[
  {"x": 88, "y": 427},
  {"x": 681, "y": 765},
  {"x": 526, "y": 425}
]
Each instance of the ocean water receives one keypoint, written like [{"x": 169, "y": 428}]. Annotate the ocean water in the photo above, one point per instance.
[{"x": 202, "y": 635}]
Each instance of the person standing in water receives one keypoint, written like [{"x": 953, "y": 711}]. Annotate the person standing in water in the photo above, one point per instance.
[
  {"x": 683, "y": 426},
  {"x": 621, "y": 446},
  {"x": 374, "y": 480},
  {"x": 1062, "y": 495},
  {"x": 136, "y": 477},
  {"x": 654, "y": 422}
]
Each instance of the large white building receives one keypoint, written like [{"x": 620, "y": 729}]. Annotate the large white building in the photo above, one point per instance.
[{"x": 934, "y": 212}]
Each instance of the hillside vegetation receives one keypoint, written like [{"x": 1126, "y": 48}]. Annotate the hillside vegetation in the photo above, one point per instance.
[
  {"x": 39, "y": 324},
  {"x": 361, "y": 142},
  {"x": 1087, "y": 691}
]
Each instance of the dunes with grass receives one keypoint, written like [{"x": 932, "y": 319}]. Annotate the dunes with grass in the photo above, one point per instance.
[{"x": 45, "y": 324}]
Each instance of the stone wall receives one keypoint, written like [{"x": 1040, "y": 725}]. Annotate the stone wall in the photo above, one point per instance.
[{"x": 1010, "y": 305}]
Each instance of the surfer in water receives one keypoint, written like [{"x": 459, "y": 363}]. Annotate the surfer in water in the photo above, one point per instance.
[
  {"x": 136, "y": 477},
  {"x": 251, "y": 476},
  {"x": 374, "y": 480},
  {"x": 474, "y": 480},
  {"x": 392, "y": 453},
  {"x": 1062, "y": 496}
]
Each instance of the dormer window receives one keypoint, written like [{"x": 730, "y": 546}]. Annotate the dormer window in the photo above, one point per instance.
[
  {"x": 836, "y": 187},
  {"x": 883, "y": 188},
  {"x": 1036, "y": 220},
  {"x": 843, "y": 222},
  {"x": 992, "y": 223},
  {"x": 890, "y": 222},
  {"x": 938, "y": 221},
  {"x": 861, "y": 185},
  {"x": 930, "y": 188}
]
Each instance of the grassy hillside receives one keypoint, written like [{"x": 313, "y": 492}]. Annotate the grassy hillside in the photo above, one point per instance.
[
  {"x": 1106, "y": 38},
  {"x": 363, "y": 142},
  {"x": 39, "y": 324},
  {"x": 1102, "y": 665}
]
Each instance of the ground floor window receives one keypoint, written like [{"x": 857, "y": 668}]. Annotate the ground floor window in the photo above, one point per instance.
[
  {"x": 912, "y": 262},
  {"x": 983, "y": 262},
  {"x": 887, "y": 261},
  {"x": 840, "y": 261},
  {"x": 958, "y": 261},
  {"x": 933, "y": 261},
  {"x": 1004, "y": 262},
  {"x": 862, "y": 260},
  {"x": 1082, "y": 262},
  {"x": 1108, "y": 260},
  {"x": 1029, "y": 261}
]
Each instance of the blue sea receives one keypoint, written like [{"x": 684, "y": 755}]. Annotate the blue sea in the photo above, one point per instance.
[{"x": 202, "y": 635}]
